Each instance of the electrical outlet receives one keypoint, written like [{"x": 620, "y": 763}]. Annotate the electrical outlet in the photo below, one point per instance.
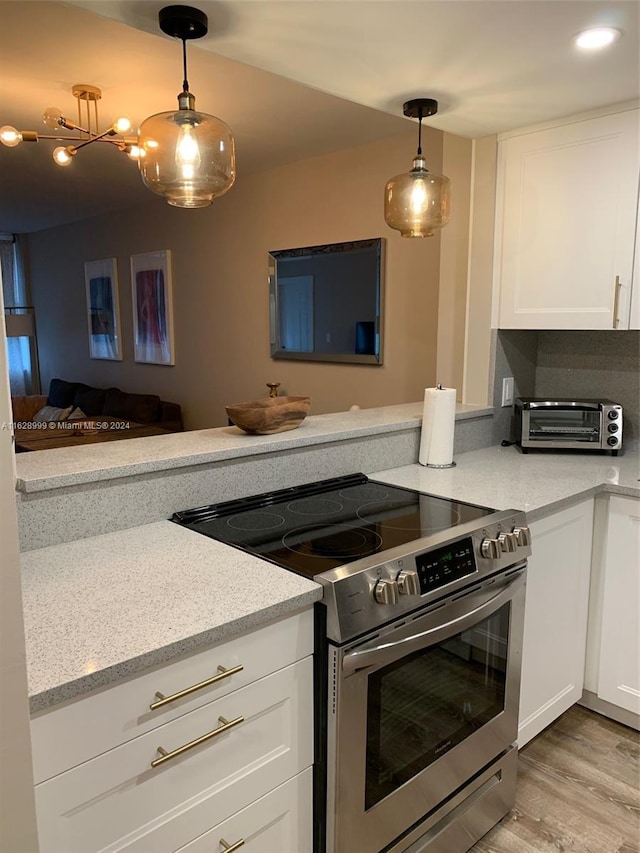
[{"x": 507, "y": 391}]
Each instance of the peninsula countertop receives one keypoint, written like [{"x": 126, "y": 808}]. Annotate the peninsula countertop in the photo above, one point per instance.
[{"x": 43, "y": 470}]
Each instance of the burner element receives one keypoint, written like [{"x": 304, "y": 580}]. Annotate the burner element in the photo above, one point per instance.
[
  {"x": 340, "y": 541},
  {"x": 365, "y": 493},
  {"x": 255, "y": 521},
  {"x": 315, "y": 506}
]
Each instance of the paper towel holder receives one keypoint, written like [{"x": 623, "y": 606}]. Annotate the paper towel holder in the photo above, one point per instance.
[{"x": 451, "y": 464}]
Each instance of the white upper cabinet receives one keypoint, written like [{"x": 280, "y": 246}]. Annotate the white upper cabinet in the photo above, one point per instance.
[{"x": 566, "y": 210}]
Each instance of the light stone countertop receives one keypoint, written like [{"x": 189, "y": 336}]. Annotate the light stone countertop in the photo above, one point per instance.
[
  {"x": 42, "y": 470},
  {"x": 538, "y": 483},
  {"x": 99, "y": 609}
]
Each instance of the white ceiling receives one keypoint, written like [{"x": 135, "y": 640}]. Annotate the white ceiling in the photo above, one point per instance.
[{"x": 344, "y": 69}]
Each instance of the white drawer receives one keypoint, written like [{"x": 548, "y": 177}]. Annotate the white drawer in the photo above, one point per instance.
[
  {"x": 73, "y": 733},
  {"x": 118, "y": 801},
  {"x": 280, "y": 822}
]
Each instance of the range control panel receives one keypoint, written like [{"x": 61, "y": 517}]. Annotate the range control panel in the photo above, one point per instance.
[{"x": 443, "y": 565}]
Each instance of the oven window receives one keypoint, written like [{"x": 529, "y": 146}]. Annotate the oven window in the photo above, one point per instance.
[
  {"x": 424, "y": 704},
  {"x": 570, "y": 425}
]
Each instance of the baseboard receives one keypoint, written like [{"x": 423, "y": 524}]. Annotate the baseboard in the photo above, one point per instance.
[{"x": 591, "y": 701}]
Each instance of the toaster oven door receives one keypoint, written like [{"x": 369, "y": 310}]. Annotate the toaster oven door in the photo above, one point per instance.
[{"x": 559, "y": 427}]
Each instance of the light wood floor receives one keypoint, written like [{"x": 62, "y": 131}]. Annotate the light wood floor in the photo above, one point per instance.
[{"x": 578, "y": 791}]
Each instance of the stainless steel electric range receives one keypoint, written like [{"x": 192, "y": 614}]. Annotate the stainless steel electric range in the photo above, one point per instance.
[{"x": 418, "y": 651}]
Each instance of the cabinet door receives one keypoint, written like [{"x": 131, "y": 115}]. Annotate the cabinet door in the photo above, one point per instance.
[
  {"x": 565, "y": 225},
  {"x": 555, "y": 621},
  {"x": 619, "y": 670},
  {"x": 634, "y": 313}
]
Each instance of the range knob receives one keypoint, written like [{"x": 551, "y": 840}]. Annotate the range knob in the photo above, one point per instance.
[
  {"x": 386, "y": 592},
  {"x": 523, "y": 535},
  {"x": 508, "y": 542},
  {"x": 408, "y": 582},
  {"x": 612, "y": 414},
  {"x": 612, "y": 441},
  {"x": 490, "y": 548},
  {"x": 613, "y": 427}
]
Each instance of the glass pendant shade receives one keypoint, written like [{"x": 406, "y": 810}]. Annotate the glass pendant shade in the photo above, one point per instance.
[
  {"x": 418, "y": 202},
  {"x": 187, "y": 156}
]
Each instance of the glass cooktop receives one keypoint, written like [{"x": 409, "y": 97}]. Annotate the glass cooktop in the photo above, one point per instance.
[{"x": 313, "y": 528}]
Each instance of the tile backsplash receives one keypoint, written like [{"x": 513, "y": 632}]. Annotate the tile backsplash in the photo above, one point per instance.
[{"x": 570, "y": 364}]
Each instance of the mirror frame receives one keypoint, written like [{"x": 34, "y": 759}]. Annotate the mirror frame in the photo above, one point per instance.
[{"x": 309, "y": 251}]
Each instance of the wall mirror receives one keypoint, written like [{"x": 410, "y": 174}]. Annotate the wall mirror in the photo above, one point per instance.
[{"x": 325, "y": 302}]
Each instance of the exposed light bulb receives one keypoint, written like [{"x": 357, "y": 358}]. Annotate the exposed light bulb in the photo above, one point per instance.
[
  {"x": 418, "y": 197},
  {"x": 62, "y": 156},
  {"x": 121, "y": 125},
  {"x": 52, "y": 117},
  {"x": 9, "y": 136},
  {"x": 596, "y": 38},
  {"x": 187, "y": 153},
  {"x": 134, "y": 152}
]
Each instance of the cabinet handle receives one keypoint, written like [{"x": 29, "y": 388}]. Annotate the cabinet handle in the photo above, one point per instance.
[
  {"x": 229, "y": 848},
  {"x": 616, "y": 299},
  {"x": 222, "y": 673},
  {"x": 167, "y": 756}
]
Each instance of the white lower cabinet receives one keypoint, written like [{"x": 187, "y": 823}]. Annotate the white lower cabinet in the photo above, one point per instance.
[
  {"x": 280, "y": 822},
  {"x": 613, "y": 661},
  {"x": 243, "y": 748},
  {"x": 556, "y": 610}
]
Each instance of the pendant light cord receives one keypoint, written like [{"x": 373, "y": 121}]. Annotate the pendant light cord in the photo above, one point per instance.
[
  {"x": 185, "y": 82},
  {"x": 420, "y": 134}
]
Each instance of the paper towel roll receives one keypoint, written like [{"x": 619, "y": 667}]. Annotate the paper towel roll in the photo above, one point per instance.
[{"x": 438, "y": 423}]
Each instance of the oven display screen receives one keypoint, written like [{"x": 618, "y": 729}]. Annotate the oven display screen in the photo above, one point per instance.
[{"x": 444, "y": 565}]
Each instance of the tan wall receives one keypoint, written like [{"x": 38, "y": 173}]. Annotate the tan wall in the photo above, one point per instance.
[
  {"x": 477, "y": 359},
  {"x": 454, "y": 253},
  {"x": 220, "y": 286}
]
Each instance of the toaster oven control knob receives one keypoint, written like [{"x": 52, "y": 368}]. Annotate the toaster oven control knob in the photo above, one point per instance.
[
  {"x": 508, "y": 542},
  {"x": 612, "y": 414},
  {"x": 613, "y": 427},
  {"x": 523, "y": 535},
  {"x": 490, "y": 548},
  {"x": 386, "y": 592},
  {"x": 408, "y": 582},
  {"x": 612, "y": 441}
]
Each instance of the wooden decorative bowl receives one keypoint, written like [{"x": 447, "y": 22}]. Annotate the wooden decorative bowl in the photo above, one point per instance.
[{"x": 269, "y": 415}]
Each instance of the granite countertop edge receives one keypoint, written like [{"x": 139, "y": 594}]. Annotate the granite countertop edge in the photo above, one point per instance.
[{"x": 45, "y": 470}]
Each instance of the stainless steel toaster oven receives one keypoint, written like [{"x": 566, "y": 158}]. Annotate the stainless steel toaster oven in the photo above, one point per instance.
[{"x": 561, "y": 424}]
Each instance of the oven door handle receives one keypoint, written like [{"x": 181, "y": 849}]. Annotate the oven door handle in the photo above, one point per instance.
[{"x": 385, "y": 653}]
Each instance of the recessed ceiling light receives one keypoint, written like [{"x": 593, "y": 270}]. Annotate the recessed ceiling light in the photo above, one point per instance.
[{"x": 596, "y": 38}]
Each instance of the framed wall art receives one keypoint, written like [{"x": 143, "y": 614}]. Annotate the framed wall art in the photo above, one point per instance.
[
  {"x": 152, "y": 308},
  {"x": 103, "y": 309}
]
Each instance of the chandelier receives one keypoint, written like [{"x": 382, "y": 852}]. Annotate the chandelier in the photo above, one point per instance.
[
  {"x": 184, "y": 155},
  {"x": 84, "y": 131}
]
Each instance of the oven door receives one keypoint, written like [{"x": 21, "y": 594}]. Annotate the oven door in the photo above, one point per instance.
[{"x": 420, "y": 709}]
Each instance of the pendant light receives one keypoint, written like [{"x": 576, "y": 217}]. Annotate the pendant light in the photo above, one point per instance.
[
  {"x": 418, "y": 202},
  {"x": 186, "y": 156}
]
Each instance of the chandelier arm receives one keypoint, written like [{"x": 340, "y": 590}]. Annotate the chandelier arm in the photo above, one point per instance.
[{"x": 100, "y": 137}]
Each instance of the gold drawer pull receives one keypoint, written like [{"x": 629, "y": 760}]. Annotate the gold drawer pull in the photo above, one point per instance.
[
  {"x": 167, "y": 756},
  {"x": 222, "y": 673},
  {"x": 616, "y": 299},
  {"x": 229, "y": 848}
]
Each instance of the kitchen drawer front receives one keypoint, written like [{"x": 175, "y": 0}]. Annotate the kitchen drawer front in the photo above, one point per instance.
[
  {"x": 280, "y": 822},
  {"x": 70, "y": 734},
  {"x": 118, "y": 801}
]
